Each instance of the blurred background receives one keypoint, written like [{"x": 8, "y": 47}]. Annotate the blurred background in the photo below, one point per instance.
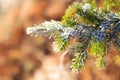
[{"x": 23, "y": 57}]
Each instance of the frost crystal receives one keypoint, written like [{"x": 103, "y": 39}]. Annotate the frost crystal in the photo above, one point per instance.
[
  {"x": 33, "y": 31},
  {"x": 86, "y": 7},
  {"x": 54, "y": 25},
  {"x": 67, "y": 32}
]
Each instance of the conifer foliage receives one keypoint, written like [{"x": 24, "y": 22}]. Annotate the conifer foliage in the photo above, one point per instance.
[{"x": 94, "y": 28}]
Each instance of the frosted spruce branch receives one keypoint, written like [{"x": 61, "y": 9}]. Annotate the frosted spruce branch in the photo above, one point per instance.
[
  {"x": 45, "y": 29},
  {"x": 93, "y": 28}
]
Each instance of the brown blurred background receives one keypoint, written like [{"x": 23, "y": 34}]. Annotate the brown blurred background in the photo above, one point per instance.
[{"x": 23, "y": 57}]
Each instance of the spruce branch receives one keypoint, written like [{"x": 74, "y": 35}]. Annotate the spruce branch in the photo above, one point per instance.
[
  {"x": 98, "y": 49},
  {"x": 100, "y": 62},
  {"x": 94, "y": 28},
  {"x": 48, "y": 29},
  {"x": 78, "y": 62}
]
